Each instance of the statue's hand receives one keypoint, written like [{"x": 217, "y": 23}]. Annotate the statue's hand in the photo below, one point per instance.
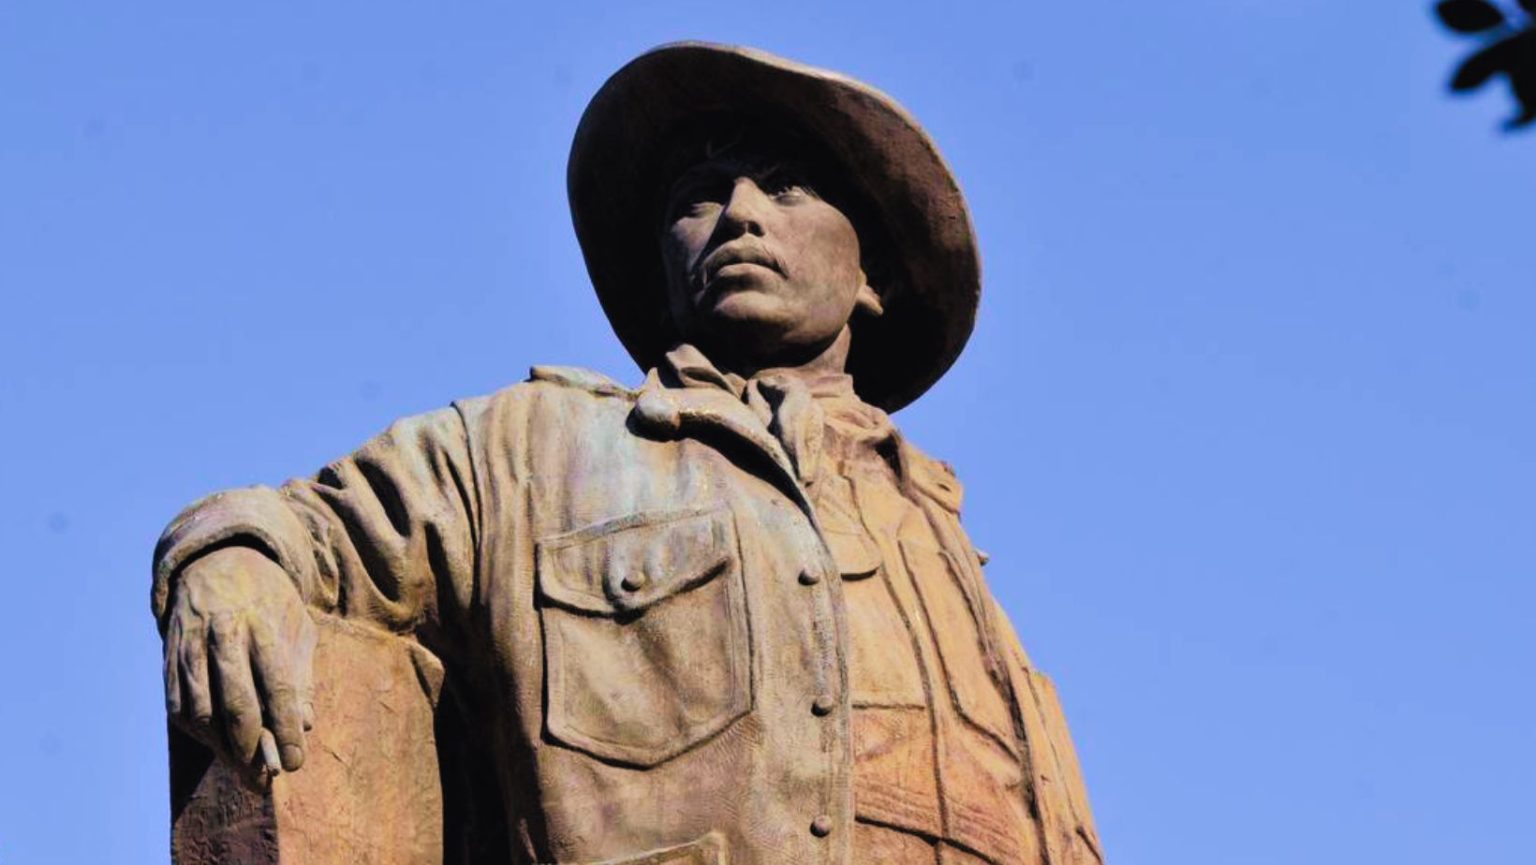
[{"x": 239, "y": 645}]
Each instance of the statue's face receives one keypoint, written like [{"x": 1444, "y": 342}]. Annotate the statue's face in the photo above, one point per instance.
[{"x": 760, "y": 269}]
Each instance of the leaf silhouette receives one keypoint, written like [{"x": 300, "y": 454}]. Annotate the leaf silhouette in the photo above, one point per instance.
[
  {"x": 1508, "y": 48},
  {"x": 1522, "y": 78},
  {"x": 1470, "y": 16},
  {"x": 1475, "y": 71}
]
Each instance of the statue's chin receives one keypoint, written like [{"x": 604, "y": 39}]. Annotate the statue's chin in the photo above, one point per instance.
[
  {"x": 755, "y": 325},
  {"x": 751, "y": 307}
]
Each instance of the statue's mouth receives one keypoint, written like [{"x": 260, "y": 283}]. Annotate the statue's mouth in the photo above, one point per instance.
[{"x": 737, "y": 257}]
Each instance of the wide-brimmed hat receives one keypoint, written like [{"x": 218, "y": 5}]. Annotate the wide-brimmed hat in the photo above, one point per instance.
[{"x": 930, "y": 279}]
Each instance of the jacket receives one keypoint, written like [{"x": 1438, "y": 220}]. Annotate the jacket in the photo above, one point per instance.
[{"x": 633, "y": 588}]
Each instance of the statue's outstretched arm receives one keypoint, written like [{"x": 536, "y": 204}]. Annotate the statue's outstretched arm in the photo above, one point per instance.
[{"x": 386, "y": 535}]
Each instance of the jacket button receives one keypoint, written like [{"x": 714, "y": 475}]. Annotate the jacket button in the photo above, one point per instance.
[
  {"x": 821, "y": 827},
  {"x": 808, "y": 578},
  {"x": 823, "y": 705},
  {"x": 633, "y": 582}
]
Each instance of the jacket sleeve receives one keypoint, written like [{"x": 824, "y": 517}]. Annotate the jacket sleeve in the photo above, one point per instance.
[
  {"x": 387, "y": 534},
  {"x": 1052, "y": 760}
]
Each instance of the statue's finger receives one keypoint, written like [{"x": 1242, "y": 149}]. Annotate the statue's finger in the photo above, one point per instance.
[
  {"x": 304, "y": 669},
  {"x": 172, "y": 670},
  {"x": 284, "y": 715},
  {"x": 230, "y": 675},
  {"x": 196, "y": 694}
]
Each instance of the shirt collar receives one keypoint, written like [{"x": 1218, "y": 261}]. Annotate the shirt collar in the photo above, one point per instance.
[
  {"x": 686, "y": 369},
  {"x": 686, "y": 366}
]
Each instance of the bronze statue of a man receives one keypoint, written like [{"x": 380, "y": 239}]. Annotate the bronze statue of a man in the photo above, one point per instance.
[{"x": 727, "y": 616}]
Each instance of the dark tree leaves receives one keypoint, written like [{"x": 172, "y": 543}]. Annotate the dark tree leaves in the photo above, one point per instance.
[
  {"x": 1470, "y": 16},
  {"x": 1522, "y": 77},
  {"x": 1475, "y": 71},
  {"x": 1505, "y": 51}
]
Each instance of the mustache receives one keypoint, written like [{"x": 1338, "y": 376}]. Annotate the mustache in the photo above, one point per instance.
[{"x": 737, "y": 252}]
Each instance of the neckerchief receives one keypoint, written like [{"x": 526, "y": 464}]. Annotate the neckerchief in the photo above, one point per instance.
[{"x": 795, "y": 410}]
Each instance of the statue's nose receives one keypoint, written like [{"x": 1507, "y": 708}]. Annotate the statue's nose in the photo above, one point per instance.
[{"x": 744, "y": 210}]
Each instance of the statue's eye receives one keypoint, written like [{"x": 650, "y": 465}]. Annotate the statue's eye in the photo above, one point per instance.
[
  {"x": 786, "y": 185},
  {"x": 790, "y": 193},
  {"x": 694, "y": 201},
  {"x": 789, "y": 190}
]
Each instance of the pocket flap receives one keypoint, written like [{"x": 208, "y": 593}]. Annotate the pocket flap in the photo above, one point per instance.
[
  {"x": 856, "y": 555},
  {"x": 626, "y": 565}
]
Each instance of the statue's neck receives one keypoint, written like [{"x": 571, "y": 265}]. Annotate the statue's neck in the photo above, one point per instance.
[{"x": 832, "y": 360}]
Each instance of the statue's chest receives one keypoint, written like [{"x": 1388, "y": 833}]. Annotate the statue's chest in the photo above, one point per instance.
[{"x": 929, "y": 721}]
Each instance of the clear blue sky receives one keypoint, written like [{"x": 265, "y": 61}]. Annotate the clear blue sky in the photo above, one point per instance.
[{"x": 1247, "y": 422}]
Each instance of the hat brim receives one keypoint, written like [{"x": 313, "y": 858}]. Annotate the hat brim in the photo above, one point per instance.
[{"x": 882, "y": 155}]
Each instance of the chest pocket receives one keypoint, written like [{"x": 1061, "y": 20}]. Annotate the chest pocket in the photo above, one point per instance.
[
  {"x": 646, "y": 646},
  {"x": 956, "y": 630}
]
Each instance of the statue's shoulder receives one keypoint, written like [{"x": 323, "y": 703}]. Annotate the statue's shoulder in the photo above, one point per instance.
[
  {"x": 548, "y": 389},
  {"x": 933, "y": 477},
  {"x": 581, "y": 379}
]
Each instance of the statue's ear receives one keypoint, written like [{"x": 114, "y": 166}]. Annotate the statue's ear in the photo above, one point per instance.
[{"x": 868, "y": 300}]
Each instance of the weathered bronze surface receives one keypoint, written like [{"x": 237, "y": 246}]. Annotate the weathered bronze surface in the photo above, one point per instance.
[{"x": 729, "y": 615}]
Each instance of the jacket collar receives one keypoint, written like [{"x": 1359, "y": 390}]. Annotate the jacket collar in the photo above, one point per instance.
[
  {"x": 670, "y": 412},
  {"x": 687, "y": 396}
]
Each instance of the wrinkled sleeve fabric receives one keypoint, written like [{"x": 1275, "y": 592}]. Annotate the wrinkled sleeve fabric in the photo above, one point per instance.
[
  {"x": 387, "y": 534},
  {"x": 1058, "y": 778}
]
